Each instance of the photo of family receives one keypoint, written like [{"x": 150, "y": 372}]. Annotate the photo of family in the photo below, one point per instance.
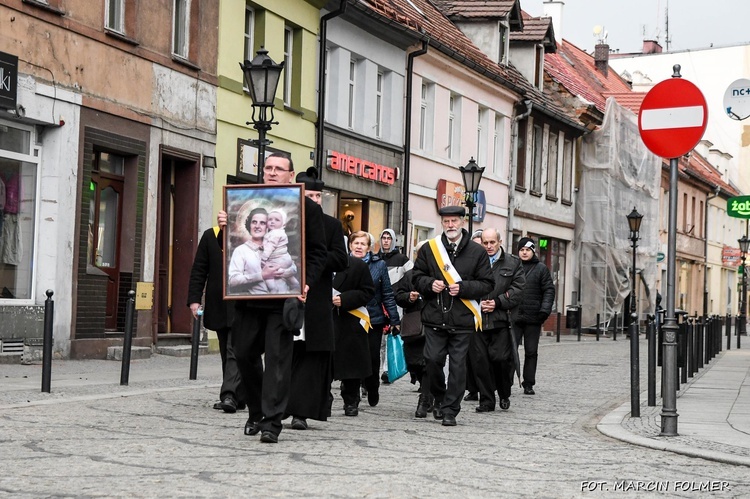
[{"x": 264, "y": 238}]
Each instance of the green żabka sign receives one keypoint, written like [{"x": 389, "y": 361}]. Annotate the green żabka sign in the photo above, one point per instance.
[{"x": 739, "y": 207}]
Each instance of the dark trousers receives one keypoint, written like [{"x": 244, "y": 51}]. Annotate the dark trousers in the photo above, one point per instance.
[
  {"x": 231, "y": 385},
  {"x": 259, "y": 331},
  {"x": 528, "y": 334},
  {"x": 491, "y": 356},
  {"x": 414, "y": 354},
  {"x": 440, "y": 343},
  {"x": 350, "y": 391},
  {"x": 312, "y": 375},
  {"x": 374, "y": 340}
]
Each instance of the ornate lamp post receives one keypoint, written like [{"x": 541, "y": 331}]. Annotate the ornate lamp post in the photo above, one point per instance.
[
  {"x": 261, "y": 78},
  {"x": 634, "y": 222},
  {"x": 744, "y": 242},
  {"x": 472, "y": 175}
]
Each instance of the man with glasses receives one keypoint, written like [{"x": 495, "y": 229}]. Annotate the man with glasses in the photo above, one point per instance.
[
  {"x": 451, "y": 273},
  {"x": 259, "y": 330}
]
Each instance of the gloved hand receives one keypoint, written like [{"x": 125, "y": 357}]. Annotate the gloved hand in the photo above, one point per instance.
[
  {"x": 395, "y": 330},
  {"x": 542, "y": 316}
]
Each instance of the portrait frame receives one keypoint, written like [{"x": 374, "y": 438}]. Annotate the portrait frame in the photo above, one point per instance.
[{"x": 264, "y": 241}]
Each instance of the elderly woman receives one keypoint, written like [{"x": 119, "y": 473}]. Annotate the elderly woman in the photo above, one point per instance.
[{"x": 352, "y": 289}]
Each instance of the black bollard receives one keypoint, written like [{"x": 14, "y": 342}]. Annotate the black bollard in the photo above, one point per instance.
[
  {"x": 49, "y": 316},
  {"x": 127, "y": 340},
  {"x": 701, "y": 339},
  {"x": 559, "y": 318},
  {"x": 651, "y": 331},
  {"x": 578, "y": 325},
  {"x": 740, "y": 327},
  {"x": 689, "y": 347},
  {"x": 729, "y": 332},
  {"x": 195, "y": 345},
  {"x": 597, "y": 327},
  {"x": 614, "y": 328}
]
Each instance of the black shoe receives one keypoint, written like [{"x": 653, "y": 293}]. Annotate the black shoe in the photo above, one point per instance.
[
  {"x": 471, "y": 396},
  {"x": 251, "y": 428},
  {"x": 484, "y": 408},
  {"x": 527, "y": 390},
  {"x": 505, "y": 404},
  {"x": 384, "y": 378},
  {"x": 217, "y": 406},
  {"x": 229, "y": 405},
  {"x": 423, "y": 406},
  {"x": 351, "y": 410},
  {"x": 241, "y": 406},
  {"x": 449, "y": 420},
  {"x": 268, "y": 437},
  {"x": 437, "y": 413},
  {"x": 299, "y": 423},
  {"x": 373, "y": 397}
]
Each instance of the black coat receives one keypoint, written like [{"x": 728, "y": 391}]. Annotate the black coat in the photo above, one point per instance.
[
  {"x": 208, "y": 273},
  {"x": 508, "y": 291},
  {"x": 472, "y": 264},
  {"x": 318, "y": 319},
  {"x": 538, "y": 293},
  {"x": 351, "y": 360}
]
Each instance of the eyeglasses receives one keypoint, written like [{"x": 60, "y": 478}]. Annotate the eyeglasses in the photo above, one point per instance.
[{"x": 274, "y": 169}]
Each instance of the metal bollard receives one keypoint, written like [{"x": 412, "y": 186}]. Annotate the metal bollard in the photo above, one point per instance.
[
  {"x": 598, "y": 327},
  {"x": 614, "y": 328},
  {"x": 651, "y": 331},
  {"x": 729, "y": 332},
  {"x": 49, "y": 316},
  {"x": 689, "y": 347},
  {"x": 559, "y": 318},
  {"x": 127, "y": 341},
  {"x": 580, "y": 319},
  {"x": 740, "y": 327},
  {"x": 195, "y": 344}
]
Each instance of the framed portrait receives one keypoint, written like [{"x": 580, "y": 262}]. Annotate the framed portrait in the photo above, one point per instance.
[{"x": 264, "y": 241}]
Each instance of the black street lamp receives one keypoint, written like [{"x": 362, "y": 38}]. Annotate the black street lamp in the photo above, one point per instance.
[
  {"x": 261, "y": 79},
  {"x": 472, "y": 175},
  {"x": 744, "y": 242},
  {"x": 634, "y": 222}
]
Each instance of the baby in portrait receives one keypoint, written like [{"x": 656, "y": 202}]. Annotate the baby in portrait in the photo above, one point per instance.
[{"x": 276, "y": 252}]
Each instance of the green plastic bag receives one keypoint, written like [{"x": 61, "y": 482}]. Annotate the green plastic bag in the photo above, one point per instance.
[{"x": 394, "y": 350}]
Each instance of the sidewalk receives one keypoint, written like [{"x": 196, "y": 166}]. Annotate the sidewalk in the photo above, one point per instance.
[{"x": 713, "y": 411}]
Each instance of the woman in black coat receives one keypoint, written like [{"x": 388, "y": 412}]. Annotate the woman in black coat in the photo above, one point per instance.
[
  {"x": 353, "y": 288},
  {"x": 535, "y": 307}
]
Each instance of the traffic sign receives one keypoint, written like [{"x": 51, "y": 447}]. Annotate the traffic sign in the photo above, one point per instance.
[{"x": 672, "y": 118}]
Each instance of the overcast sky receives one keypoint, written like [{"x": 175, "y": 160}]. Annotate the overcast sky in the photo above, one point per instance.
[{"x": 692, "y": 23}]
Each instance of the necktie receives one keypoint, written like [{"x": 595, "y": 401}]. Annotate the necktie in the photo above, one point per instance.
[{"x": 452, "y": 248}]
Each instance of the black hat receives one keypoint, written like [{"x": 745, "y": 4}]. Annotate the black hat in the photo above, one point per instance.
[
  {"x": 526, "y": 242},
  {"x": 293, "y": 315},
  {"x": 452, "y": 211},
  {"x": 310, "y": 179}
]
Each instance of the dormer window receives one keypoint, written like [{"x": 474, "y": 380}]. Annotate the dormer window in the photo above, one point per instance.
[
  {"x": 503, "y": 41},
  {"x": 539, "y": 71}
]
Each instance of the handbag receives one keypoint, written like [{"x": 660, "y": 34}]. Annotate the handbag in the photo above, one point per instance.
[
  {"x": 411, "y": 324},
  {"x": 396, "y": 361}
]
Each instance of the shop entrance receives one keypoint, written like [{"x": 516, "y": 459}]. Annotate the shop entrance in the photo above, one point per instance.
[{"x": 358, "y": 213}]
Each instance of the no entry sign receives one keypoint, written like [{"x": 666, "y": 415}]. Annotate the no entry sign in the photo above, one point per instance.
[{"x": 672, "y": 118}]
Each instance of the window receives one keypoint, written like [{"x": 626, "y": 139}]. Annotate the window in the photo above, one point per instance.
[
  {"x": 536, "y": 163},
  {"x": 19, "y": 162},
  {"x": 287, "y": 73},
  {"x": 684, "y": 212},
  {"x": 521, "y": 154},
  {"x": 498, "y": 145},
  {"x": 426, "y": 116},
  {"x": 454, "y": 125},
  {"x": 502, "y": 56},
  {"x": 180, "y": 28},
  {"x": 482, "y": 115},
  {"x": 105, "y": 210},
  {"x": 701, "y": 225},
  {"x": 379, "y": 105},
  {"x": 552, "y": 165},
  {"x": 352, "y": 83},
  {"x": 249, "y": 51},
  {"x": 115, "y": 15},
  {"x": 539, "y": 70},
  {"x": 567, "y": 172}
]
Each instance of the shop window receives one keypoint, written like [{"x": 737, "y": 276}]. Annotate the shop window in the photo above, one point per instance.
[{"x": 18, "y": 200}]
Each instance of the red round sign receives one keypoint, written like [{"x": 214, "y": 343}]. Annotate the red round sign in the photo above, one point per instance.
[{"x": 672, "y": 118}]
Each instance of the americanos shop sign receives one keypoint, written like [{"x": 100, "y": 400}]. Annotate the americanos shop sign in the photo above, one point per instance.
[{"x": 362, "y": 168}]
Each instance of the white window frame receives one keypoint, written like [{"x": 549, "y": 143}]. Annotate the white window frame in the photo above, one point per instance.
[
  {"x": 352, "y": 91},
  {"x": 566, "y": 193},
  {"x": 288, "y": 49},
  {"x": 118, "y": 23},
  {"x": 379, "y": 83},
  {"x": 503, "y": 43},
  {"x": 454, "y": 126},
  {"x": 426, "y": 116},
  {"x": 498, "y": 144},
  {"x": 482, "y": 133},
  {"x": 249, "y": 34},
  {"x": 537, "y": 157},
  {"x": 553, "y": 155},
  {"x": 181, "y": 26}
]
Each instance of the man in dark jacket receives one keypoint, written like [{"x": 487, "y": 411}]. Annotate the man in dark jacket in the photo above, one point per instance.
[
  {"x": 208, "y": 273},
  {"x": 312, "y": 372},
  {"x": 535, "y": 307},
  {"x": 451, "y": 273},
  {"x": 491, "y": 353}
]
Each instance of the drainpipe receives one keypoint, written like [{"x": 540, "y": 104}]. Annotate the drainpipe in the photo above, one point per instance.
[
  {"x": 512, "y": 183},
  {"x": 717, "y": 190},
  {"x": 407, "y": 138},
  {"x": 319, "y": 152}
]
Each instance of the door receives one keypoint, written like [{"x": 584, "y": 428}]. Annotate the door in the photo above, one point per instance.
[{"x": 105, "y": 216}]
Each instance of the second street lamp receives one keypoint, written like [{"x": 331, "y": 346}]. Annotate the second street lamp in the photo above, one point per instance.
[
  {"x": 744, "y": 242},
  {"x": 472, "y": 175},
  {"x": 634, "y": 223},
  {"x": 261, "y": 78}
]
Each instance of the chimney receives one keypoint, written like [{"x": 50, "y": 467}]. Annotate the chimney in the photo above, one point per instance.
[
  {"x": 554, "y": 10},
  {"x": 601, "y": 58},
  {"x": 651, "y": 47}
]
